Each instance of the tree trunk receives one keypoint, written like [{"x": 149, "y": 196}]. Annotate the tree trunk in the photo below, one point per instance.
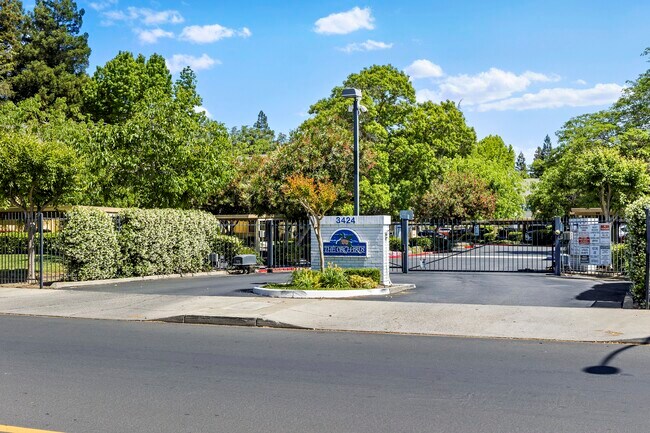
[
  {"x": 30, "y": 225},
  {"x": 319, "y": 238}
]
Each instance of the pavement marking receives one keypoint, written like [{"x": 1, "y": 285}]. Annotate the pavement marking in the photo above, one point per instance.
[{"x": 10, "y": 429}]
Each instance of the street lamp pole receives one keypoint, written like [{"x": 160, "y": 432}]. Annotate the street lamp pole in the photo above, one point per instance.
[
  {"x": 356, "y": 156},
  {"x": 356, "y": 106}
]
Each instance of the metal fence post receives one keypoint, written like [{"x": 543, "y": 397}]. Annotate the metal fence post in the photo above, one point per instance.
[
  {"x": 269, "y": 246},
  {"x": 405, "y": 245},
  {"x": 557, "y": 253},
  {"x": 40, "y": 249},
  {"x": 647, "y": 258}
]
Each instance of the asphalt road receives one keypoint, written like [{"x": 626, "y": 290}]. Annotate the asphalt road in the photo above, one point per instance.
[
  {"x": 444, "y": 287},
  {"x": 83, "y": 376}
]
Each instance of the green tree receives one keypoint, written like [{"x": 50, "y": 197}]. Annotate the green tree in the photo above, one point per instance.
[
  {"x": 542, "y": 157},
  {"x": 35, "y": 174},
  {"x": 256, "y": 140},
  {"x": 11, "y": 22},
  {"x": 54, "y": 55},
  {"x": 117, "y": 87},
  {"x": 520, "y": 165},
  {"x": 459, "y": 195}
]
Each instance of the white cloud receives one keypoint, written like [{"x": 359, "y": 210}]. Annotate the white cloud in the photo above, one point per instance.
[
  {"x": 600, "y": 94},
  {"x": 345, "y": 22},
  {"x": 581, "y": 82},
  {"x": 202, "y": 109},
  {"x": 152, "y": 36},
  {"x": 145, "y": 16},
  {"x": 100, "y": 6},
  {"x": 211, "y": 33},
  {"x": 488, "y": 86},
  {"x": 179, "y": 61},
  {"x": 423, "y": 68},
  {"x": 368, "y": 45}
]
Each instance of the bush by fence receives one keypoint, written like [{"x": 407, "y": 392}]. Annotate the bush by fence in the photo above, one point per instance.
[
  {"x": 89, "y": 244},
  {"x": 143, "y": 242},
  {"x": 164, "y": 241},
  {"x": 636, "y": 244}
]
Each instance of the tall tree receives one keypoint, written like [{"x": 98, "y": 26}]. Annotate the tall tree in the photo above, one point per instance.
[
  {"x": 541, "y": 158},
  {"x": 11, "y": 23},
  {"x": 520, "y": 164},
  {"x": 54, "y": 54},
  {"x": 33, "y": 175},
  {"x": 116, "y": 88},
  {"x": 258, "y": 139}
]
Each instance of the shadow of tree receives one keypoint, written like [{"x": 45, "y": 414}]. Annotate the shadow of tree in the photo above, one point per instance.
[
  {"x": 605, "y": 292},
  {"x": 604, "y": 369}
]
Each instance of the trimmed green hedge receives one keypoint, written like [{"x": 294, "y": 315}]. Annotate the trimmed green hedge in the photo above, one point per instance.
[
  {"x": 165, "y": 241},
  {"x": 372, "y": 273},
  {"x": 636, "y": 244},
  {"x": 89, "y": 245}
]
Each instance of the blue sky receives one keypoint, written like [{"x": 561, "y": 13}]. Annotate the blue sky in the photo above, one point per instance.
[{"x": 520, "y": 69}]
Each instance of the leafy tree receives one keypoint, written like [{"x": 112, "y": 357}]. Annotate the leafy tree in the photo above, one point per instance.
[
  {"x": 520, "y": 165},
  {"x": 615, "y": 180},
  {"x": 459, "y": 195},
  {"x": 11, "y": 22},
  {"x": 256, "y": 140},
  {"x": 321, "y": 148},
  {"x": 633, "y": 108},
  {"x": 35, "y": 174},
  {"x": 117, "y": 87},
  {"x": 542, "y": 156},
  {"x": 317, "y": 198},
  {"x": 54, "y": 55}
]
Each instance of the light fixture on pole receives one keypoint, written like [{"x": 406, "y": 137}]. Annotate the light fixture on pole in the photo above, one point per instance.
[{"x": 356, "y": 94}]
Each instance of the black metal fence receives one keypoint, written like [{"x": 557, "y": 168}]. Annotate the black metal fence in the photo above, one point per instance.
[
  {"x": 26, "y": 256},
  {"x": 475, "y": 246},
  {"x": 594, "y": 246},
  {"x": 278, "y": 243}
]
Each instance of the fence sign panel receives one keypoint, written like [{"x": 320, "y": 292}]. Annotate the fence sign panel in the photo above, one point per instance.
[{"x": 590, "y": 243}]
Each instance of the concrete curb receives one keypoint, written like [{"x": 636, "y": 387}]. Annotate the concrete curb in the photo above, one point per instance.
[
  {"x": 628, "y": 301},
  {"x": 229, "y": 321},
  {"x": 66, "y": 284},
  {"x": 330, "y": 294}
]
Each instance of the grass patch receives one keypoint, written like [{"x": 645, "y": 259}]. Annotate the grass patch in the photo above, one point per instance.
[{"x": 13, "y": 268}]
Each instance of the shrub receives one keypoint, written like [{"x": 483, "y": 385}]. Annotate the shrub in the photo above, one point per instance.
[
  {"x": 165, "y": 241},
  {"x": 395, "y": 243},
  {"x": 306, "y": 279},
  {"x": 515, "y": 236},
  {"x": 359, "y": 282},
  {"x": 425, "y": 243},
  {"x": 372, "y": 273},
  {"x": 13, "y": 243},
  {"x": 636, "y": 244},
  {"x": 227, "y": 246},
  {"x": 334, "y": 277},
  {"x": 490, "y": 237},
  {"x": 620, "y": 258},
  {"x": 440, "y": 244},
  {"x": 89, "y": 245}
]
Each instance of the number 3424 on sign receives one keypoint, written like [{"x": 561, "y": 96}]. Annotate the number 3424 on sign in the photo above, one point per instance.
[{"x": 345, "y": 220}]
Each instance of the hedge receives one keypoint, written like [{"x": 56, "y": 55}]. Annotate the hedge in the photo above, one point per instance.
[
  {"x": 165, "y": 241},
  {"x": 88, "y": 241},
  {"x": 636, "y": 244},
  {"x": 16, "y": 243},
  {"x": 372, "y": 273}
]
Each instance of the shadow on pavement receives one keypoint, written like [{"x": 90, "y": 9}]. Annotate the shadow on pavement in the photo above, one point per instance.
[
  {"x": 604, "y": 369},
  {"x": 609, "y": 292}
]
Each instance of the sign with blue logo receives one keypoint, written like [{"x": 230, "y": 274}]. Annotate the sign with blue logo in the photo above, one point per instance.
[{"x": 346, "y": 243}]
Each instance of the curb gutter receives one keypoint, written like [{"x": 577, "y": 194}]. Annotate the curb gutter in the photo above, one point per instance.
[{"x": 229, "y": 321}]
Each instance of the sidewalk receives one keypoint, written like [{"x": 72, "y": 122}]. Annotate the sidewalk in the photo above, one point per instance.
[{"x": 486, "y": 321}]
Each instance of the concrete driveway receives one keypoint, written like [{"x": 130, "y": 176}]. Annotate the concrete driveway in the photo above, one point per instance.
[{"x": 431, "y": 287}]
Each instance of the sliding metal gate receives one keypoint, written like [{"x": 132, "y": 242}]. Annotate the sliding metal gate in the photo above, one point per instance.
[{"x": 476, "y": 246}]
